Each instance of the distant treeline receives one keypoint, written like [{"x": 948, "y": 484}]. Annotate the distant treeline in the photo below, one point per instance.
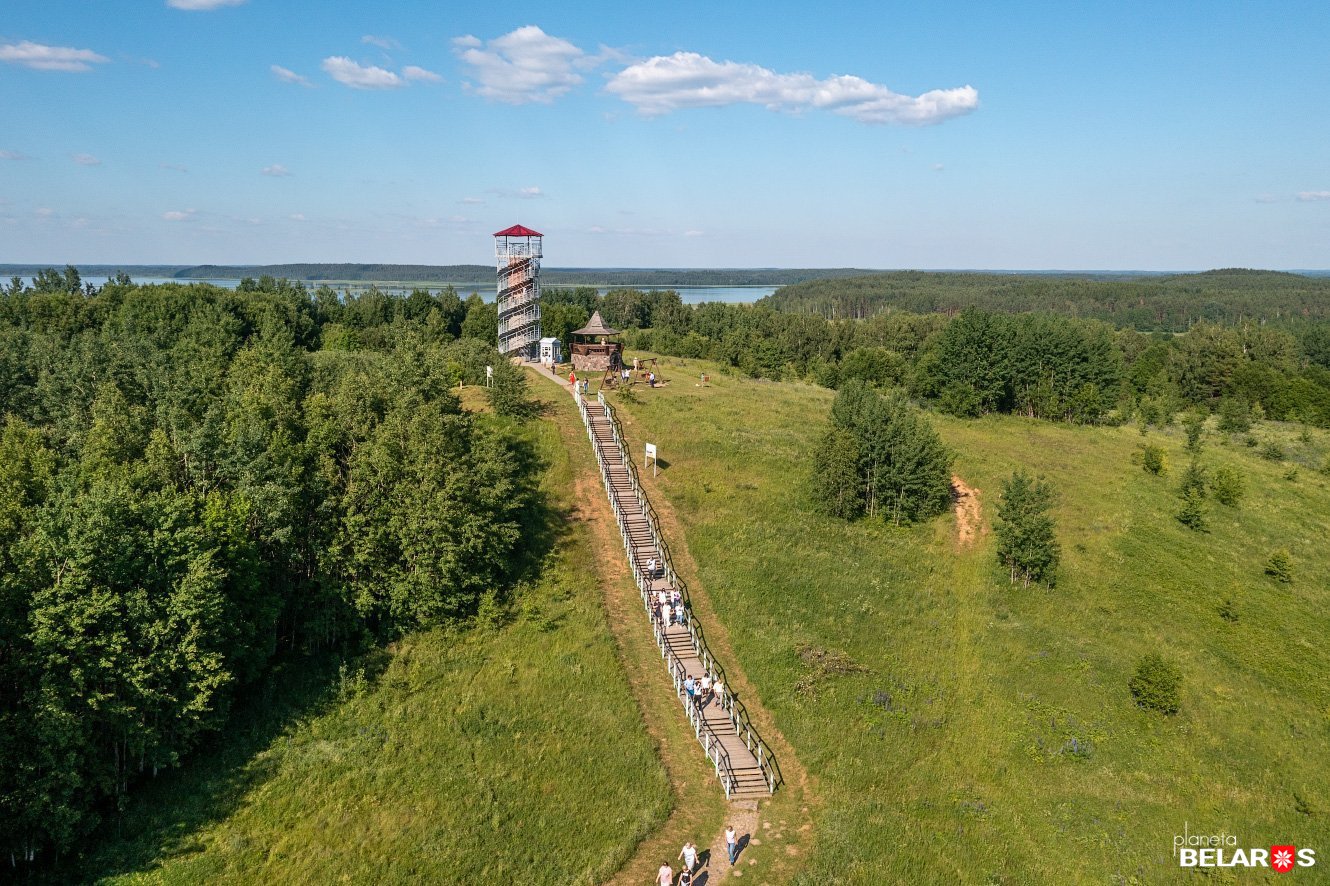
[
  {"x": 195, "y": 482},
  {"x": 7, "y": 271},
  {"x": 977, "y": 361},
  {"x": 551, "y": 276},
  {"x": 1166, "y": 304}
]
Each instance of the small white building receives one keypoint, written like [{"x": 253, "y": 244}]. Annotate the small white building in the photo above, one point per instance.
[{"x": 550, "y": 353}]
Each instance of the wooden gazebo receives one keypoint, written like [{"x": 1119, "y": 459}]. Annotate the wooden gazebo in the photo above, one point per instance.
[{"x": 591, "y": 349}]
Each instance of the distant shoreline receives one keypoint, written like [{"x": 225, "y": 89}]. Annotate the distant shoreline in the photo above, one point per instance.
[{"x": 462, "y": 276}]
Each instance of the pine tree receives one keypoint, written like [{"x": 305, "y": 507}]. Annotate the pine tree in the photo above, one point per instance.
[
  {"x": 1027, "y": 545},
  {"x": 1193, "y": 489},
  {"x": 1194, "y": 426}
]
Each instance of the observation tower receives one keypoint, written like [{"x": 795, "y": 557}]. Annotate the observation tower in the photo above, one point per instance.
[{"x": 517, "y": 250}]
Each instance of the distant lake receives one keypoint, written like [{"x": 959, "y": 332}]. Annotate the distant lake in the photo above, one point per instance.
[{"x": 691, "y": 295}]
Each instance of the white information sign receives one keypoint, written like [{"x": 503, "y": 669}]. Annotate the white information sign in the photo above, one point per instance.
[{"x": 650, "y": 457}]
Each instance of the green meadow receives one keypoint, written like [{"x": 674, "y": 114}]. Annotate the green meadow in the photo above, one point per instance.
[
  {"x": 512, "y": 752},
  {"x": 963, "y": 729}
]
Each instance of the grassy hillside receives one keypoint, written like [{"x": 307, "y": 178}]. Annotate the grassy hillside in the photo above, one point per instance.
[
  {"x": 512, "y": 753},
  {"x": 965, "y": 730}
]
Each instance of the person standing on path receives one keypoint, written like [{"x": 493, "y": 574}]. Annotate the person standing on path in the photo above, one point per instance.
[
  {"x": 731, "y": 844},
  {"x": 572, "y": 378},
  {"x": 718, "y": 691},
  {"x": 705, "y": 695},
  {"x": 668, "y": 610},
  {"x": 690, "y": 687},
  {"x": 665, "y": 876}
]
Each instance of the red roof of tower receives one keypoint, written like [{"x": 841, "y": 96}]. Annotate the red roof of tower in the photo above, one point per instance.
[{"x": 518, "y": 231}]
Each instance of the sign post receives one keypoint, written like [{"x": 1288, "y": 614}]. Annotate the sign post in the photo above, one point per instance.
[
  {"x": 650, "y": 457},
  {"x": 489, "y": 376}
]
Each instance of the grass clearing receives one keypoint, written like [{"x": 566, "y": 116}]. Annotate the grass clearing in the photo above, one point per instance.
[
  {"x": 992, "y": 736},
  {"x": 505, "y": 754}
]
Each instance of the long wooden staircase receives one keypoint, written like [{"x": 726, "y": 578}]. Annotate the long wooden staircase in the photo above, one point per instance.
[{"x": 743, "y": 762}]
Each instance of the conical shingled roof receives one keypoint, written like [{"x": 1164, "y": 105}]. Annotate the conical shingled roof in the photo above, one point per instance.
[{"x": 595, "y": 326}]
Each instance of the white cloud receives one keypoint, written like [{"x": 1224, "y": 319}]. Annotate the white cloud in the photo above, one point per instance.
[
  {"x": 45, "y": 212},
  {"x": 412, "y": 72},
  {"x": 523, "y": 66},
  {"x": 694, "y": 233},
  {"x": 13, "y": 155},
  {"x": 296, "y": 216},
  {"x": 286, "y": 75},
  {"x": 1311, "y": 196},
  {"x": 472, "y": 201},
  {"x": 530, "y": 193},
  {"x": 276, "y": 170},
  {"x": 381, "y": 42},
  {"x": 938, "y": 167},
  {"x": 174, "y": 167},
  {"x": 667, "y": 83},
  {"x": 176, "y": 215},
  {"x": 348, "y": 73},
  {"x": 86, "y": 160},
  {"x": 202, "y": 5},
  {"x": 50, "y": 58}
]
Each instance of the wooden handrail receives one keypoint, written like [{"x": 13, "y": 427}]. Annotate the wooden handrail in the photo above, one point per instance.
[{"x": 738, "y": 710}]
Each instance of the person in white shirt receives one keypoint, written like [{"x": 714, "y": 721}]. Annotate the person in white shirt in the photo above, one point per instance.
[
  {"x": 706, "y": 690},
  {"x": 731, "y": 844},
  {"x": 689, "y": 856},
  {"x": 665, "y": 876}
]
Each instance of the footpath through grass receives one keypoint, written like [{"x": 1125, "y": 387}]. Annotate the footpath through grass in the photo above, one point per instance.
[
  {"x": 507, "y": 754},
  {"x": 963, "y": 730}
]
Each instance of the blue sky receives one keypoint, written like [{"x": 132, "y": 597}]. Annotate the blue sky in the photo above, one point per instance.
[{"x": 990, "y": 135}]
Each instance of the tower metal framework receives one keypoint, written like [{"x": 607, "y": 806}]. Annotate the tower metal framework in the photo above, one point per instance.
[{"x": 518, "y": 252}]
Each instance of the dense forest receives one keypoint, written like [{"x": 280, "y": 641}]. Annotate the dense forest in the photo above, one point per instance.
[
  {"x": 1149, "y": 304},
  {"x": 981, "y": 360},
  {"x": 195, "y": 483}
]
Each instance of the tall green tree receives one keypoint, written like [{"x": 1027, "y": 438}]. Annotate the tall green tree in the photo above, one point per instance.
[
  {"x": 903, "y": 470},
  {"x": 1027, "y": 545}
]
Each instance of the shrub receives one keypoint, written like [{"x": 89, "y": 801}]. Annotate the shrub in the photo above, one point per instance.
[
  {"x": 1227, "y": 611},
  {"x": 1156, "y": 685},
  {"x": 1194, "y": 426},
  {"x": 1152, "y": 459},
  {"x": 509, "y": 394},
  {"x": 1234, "y": 415},
  {"x": 1272, "y": 451},
  {"x": 1228, "y": 486},
  {"x": 1280, "y": 566}
]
